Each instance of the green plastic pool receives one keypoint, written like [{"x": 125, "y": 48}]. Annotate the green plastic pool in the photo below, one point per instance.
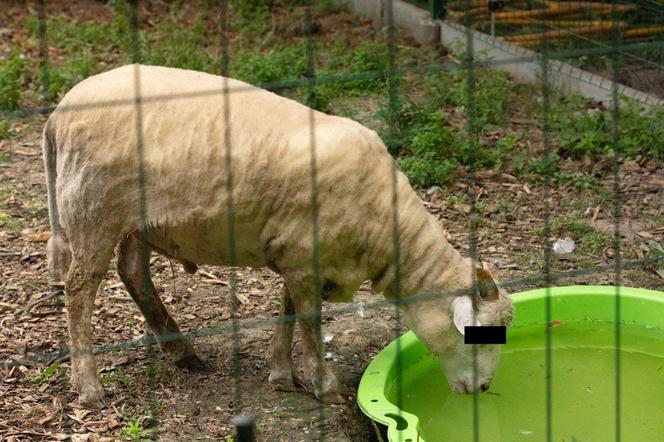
[{"x": 583, "y": 395}]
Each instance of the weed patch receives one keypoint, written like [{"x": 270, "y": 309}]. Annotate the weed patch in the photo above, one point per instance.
[
  {"x": 135, "y": 430},
  {"x": 591, "y": 241},
  {"x": 12, "y": 71},
  {"x": 48, "y": 373}
]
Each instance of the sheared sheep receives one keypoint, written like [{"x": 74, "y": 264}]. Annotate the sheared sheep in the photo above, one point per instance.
[{"x": 151, "y": 173}]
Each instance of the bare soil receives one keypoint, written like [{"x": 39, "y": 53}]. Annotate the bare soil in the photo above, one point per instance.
[{"x": 198, "y": 405}]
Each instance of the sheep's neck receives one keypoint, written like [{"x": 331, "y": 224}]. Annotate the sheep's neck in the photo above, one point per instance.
[
  {"x": 441, "y": 268},
  {"x": 427, "y": 262}
]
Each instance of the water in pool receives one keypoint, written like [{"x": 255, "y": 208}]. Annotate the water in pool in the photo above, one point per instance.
[{"x": 583, "y": 389}]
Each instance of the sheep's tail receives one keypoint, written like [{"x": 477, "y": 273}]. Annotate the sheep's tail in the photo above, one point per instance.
[{"x": 58, "y": 252}]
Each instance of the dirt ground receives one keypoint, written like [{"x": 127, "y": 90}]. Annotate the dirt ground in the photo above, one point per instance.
[
  {"x": 145, "y": 392},
  {"x": 197, "y": 405}
]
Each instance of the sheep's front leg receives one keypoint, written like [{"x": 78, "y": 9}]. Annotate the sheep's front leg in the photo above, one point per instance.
[
  {"x": 280, "y": 353},
  {"x": 134, "y": 270},
  {"x": 316, "y": 371},
  {"x": 80, "y": 291}
]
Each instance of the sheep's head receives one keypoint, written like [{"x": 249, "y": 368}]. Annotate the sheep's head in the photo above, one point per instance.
[
  {"x": 490, "y": 305},
  {"x": 440, "y": 325}
]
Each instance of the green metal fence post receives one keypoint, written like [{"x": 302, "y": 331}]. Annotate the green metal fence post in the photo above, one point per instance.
[{"x": 438, "y": 9}]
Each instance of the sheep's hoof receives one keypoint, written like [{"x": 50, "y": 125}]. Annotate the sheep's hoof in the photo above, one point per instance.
[
  {"x": 191, "y": 362},
  {"x": 92, "y": 398},
  {"x": 284, "y": 383}
]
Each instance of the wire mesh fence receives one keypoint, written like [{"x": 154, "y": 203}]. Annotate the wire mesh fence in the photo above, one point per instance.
[{"x": 438, "y": 140}]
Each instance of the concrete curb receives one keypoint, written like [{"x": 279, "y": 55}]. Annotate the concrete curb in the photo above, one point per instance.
[
  {"x": 415, "y": 21},
  {"x": 524, "y": 65}
]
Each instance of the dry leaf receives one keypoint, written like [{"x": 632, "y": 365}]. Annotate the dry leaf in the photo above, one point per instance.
[
  {"x": 86, "y": 437},
  {"x": 27, "y": 154},
  {"x": 38, "y": 237},
  {"x": 463, "y": 207},
  {"x": 660, "y": 273},
  {"x": 47, "y": 418}
]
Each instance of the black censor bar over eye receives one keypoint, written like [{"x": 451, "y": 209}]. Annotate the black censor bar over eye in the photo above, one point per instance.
[{"x": 480, "y": 334}]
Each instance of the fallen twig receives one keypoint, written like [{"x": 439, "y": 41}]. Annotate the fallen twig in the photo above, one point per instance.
[
  {"x": 120, "y": 298},
  {"x": 39, "y": 301}
]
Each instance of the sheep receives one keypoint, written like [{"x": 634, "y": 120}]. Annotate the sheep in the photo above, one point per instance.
[{"x": 142, "y": 157}]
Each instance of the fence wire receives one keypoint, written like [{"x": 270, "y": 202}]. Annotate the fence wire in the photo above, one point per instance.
[{"x": 311, "y": 318}]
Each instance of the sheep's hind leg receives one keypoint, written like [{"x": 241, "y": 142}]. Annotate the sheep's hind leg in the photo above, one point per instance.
[
  {"x": 81, "y": 284},
  {"x": 281, "y": 347},
  {"x": 134, "y": 270},
  {"x": 316, "y": 371}
]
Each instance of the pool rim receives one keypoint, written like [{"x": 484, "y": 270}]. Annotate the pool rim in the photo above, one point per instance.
[{"x": 374, "y": 403}]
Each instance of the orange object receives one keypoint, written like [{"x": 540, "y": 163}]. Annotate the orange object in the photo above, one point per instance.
[
  {"x": 643, "y": 32},
  {"x": 595, "y": 6},
  {"x": 554, "y": 23},
  {"x": 556, "y": 34}
]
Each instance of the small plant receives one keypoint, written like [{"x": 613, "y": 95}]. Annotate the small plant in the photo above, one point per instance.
[
  {"x": 156, "y": 371},
  {"x": 125, "y": 381},
  {"x": 275, "y": 64},
  {"x": 482, "y": 100},
  {"x": 328, "y": 5},
  {"x": 578, "y": 181},
  {"x": 253, "y": 16},
  {"x": 429, "y": 148},
  {"x": 136, "y": 431},
  {"x": 11, "y": 73},
  {"x": 3, "y": 159},
  {"x": 76, "y": 69},
  {"x": 181, "y": 47},
  {"x": 368, "y": 57},
  {"x": 4, "y": 129},
  {"x": 48, "y": 373},
  {"x": 433, "y": 151},
  {"x": 580, "y": 130},
  {"x": 250, "y": 9}
]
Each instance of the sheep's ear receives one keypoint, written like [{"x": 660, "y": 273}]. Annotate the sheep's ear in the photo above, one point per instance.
[
  {"x": 462, "y": 313},
  {"x": 486, "y": 285}
]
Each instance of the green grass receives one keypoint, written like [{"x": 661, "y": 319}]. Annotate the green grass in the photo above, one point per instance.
[
  {"x": 126, "y": 382},
  {"x": 11, "y": 224},
  {"x": 275, "y": 64},
  {"x": 74, "y": 70},
  {"x": 12, "y": 73},
  {"x": 5, "y": 126},
  {"x": 581, "y": 130},
  {"x": 170, "y": 44},
  {"x": 116, "y": 379},
  {"x": 3, "y": 159},
  {"x": 430, "y": 149},
  {"x": 426, "y": 124},
  {"x": 590, "y": 241}
]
